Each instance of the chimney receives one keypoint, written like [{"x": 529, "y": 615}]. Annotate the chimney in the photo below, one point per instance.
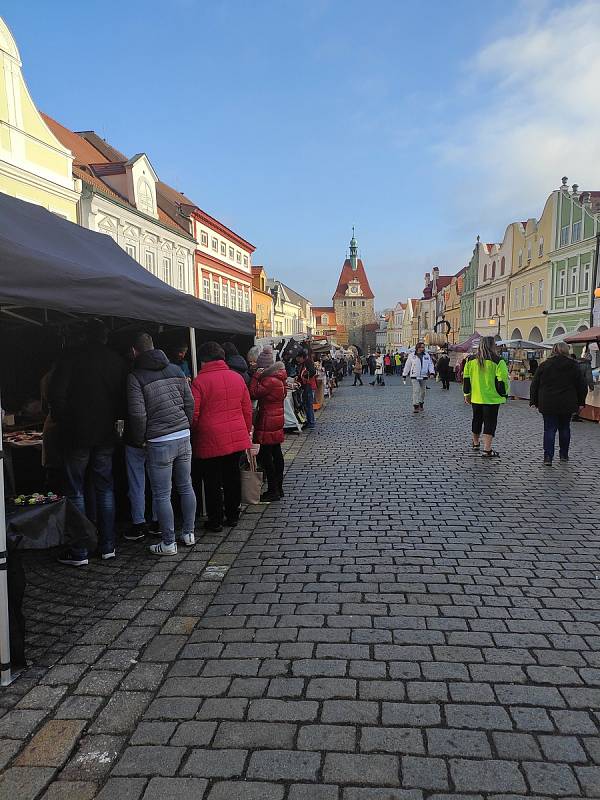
[{"x": 427, "y": 279}]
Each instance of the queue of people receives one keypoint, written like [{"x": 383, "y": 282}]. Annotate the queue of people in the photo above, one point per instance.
[{"x": 168, "y": 423}]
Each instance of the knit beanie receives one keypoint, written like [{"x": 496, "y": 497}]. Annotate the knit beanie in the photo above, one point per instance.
[{"x": 266, "y": 357}]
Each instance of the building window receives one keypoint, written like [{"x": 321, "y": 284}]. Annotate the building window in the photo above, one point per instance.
[
  {"x": 528, "y": 252},
  {"x": 204, "y": 238},
  {"x": 231, "y": 253},
  {"x": 181, "y": 275},
  {"x": 215, "y": 244},
  {"x": 497, "y": 304},
  {"x": 485, "y": 272},
  {"x": 146, "y": 201},
  {"x": 206, "y": 289},
  {"x": 564, "y": 236},
  {"x": 354, "y": 303},
  {"x": 246, "y": 300},
  {"x": 516, "y": 299},
  {"x": 324, "y": 319},
  {"x": 233, "y": 296},
  {"x": 493, "y": 270},
  {"x": 166, "y": 263},
  {"x": 530, "y": 295},
  {"x": 523, "y": 292},
  {"x": 150, "y": 262},
  {"x": 576, "y": 236},
  {"x": 238, "y": 257},
  {"x": 541, "y": 247},
  {"x": 240, "y": 297},
  {"x": 226, "y": 294},
  {"x": 246, "y": 261},
  {"x": 586, "y": 278},
  {"x": 541, "y": 293},
  {"x": 502, "y": 265},
  {"x": 561, "y": 283},
  {"x": 502, "y": 306},
  {"x": 216, "y": 292},
  {"x": 520, "y": 258},
  {"x": 223, "y": 249},
  {"x": 479, "y": 308},
  {"x": 131, "y": 250},
  {"x": 490, "y": 307},
  {"x": 574, "y": 280}
]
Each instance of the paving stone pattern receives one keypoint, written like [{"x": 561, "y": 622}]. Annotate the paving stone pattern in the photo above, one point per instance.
[{"x": 412, "y": 622}]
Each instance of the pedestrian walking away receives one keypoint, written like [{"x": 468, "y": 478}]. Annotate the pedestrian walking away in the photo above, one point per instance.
[
  {"x": 268, "y": 386},
  {"x": 558, "y": 390},
  {"x": 418, "y": 367},
  {"x": 161, "y": 409},
  {"x": 485, "y": 388},
  {"x": 443, "y": 370},
  {"x": 357, "y": 370},
  {"x": 307, "y": 378}
]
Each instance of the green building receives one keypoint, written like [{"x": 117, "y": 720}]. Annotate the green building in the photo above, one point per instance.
[
  {"x": 467, "y": 298},
  {"x": 572, "y": 257}
]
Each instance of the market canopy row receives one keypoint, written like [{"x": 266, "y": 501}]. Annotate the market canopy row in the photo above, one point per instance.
[{"x": 48, "y": 262}]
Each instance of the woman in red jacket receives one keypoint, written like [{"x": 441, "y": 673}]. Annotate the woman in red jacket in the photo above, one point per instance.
[
  {"x": 268, "y": 386},
  {"x": 220, "y": 433}
]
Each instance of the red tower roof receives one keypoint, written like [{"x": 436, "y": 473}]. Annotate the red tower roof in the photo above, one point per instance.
[{"x": 348, "y": 274}]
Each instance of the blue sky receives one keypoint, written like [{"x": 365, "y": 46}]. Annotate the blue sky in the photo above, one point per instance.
[{"x": 423, "y": 124}]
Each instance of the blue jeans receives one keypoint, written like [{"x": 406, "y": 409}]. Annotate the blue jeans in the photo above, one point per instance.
[
  {"x": 560, "y": 423},
  {"x": 171, "y": 463},
  {"x": 135, "y": 459},
  {"x": 309, "y": 398},
  {"x": 99, "y": 460}
]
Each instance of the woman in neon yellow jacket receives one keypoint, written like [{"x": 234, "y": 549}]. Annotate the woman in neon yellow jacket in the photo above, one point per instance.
[{"x": 485, "y": 386}]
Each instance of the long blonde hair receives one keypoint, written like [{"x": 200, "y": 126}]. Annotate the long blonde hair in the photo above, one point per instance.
[{"x": 487, "y": 350}]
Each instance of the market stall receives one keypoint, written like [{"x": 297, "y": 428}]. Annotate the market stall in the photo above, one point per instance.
[
  {"x": 591, "y": 337},
  {"x": 521, "y": 354},
  {"x": 54, "y": 276}
]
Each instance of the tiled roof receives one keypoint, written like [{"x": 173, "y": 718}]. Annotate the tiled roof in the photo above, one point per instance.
[
  {"x": 347, "y": 274},
  {"x": 96, "y": 183},
  {"x": 83, "y": 151}
]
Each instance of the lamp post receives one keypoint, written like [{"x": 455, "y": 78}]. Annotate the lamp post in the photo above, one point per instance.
[{"x": 492, "y": 321}]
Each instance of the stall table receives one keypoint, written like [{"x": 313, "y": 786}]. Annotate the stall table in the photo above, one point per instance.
[
  {"x": 520, "y": 389},
  {"x": 591, "y": 409}
]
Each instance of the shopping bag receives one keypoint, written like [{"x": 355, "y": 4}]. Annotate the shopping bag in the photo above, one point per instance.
[{"x": 252, "y": 481}]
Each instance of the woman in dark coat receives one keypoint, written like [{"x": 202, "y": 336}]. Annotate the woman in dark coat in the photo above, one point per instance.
[
  {"x": 268, "y": 386},
  {"x": 558, "y": 390}
]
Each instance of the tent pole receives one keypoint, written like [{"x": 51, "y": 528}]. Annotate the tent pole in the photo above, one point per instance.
[
  {"x": 5, "y": 673},
  {"x": 193, "y": 356}
]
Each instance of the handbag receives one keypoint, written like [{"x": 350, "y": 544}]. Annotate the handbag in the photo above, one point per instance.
[{"x": 251, "y": 480}]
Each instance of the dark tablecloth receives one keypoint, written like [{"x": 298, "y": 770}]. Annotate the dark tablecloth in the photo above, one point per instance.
[{"x": 52, "y": 525}]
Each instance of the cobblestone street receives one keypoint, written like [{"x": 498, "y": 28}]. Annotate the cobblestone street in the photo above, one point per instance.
[{"x": 410, "y": 622}]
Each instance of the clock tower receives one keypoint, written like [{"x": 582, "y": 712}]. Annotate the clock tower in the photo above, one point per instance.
[{"x": 354, "y": 303}]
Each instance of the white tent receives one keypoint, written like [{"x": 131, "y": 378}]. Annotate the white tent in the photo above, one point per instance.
[{"x": 523, "y": 344}]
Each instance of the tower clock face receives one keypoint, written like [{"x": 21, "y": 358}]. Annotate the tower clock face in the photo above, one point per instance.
[{"x": 354, "y": 289}]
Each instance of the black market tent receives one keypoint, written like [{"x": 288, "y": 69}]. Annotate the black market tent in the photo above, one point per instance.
[{"x": 48, "y": 262}]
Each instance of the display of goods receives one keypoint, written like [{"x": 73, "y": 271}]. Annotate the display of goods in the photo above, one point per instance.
[
  {"x": 23, "y": 438},
  {"x": 36, "y": 499}
]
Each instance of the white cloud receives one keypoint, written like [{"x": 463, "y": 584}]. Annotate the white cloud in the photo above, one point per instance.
[{"x": 536, "y": 115}]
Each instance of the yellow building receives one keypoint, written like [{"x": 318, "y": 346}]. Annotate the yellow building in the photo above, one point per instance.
[
  {"x": 529, "y": 285},
  {"x": 34, "y": 165},
  {"x": 262, "y": 303},
  {"x": 452, "y": 306}
]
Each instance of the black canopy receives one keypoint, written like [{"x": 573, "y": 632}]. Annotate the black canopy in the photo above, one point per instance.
[{"x": 48, "y": 262}]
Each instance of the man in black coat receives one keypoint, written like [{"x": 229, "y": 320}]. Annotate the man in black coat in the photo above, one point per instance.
[
  {"x": 558, "y": 390},
  {"x": 443, "y": 370},
  {"x": 86, "y": 398}
]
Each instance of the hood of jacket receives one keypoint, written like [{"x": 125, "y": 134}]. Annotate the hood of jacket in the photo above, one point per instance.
[
  {"x": 276, "y": 370},
  {"x": 152, "y": 359},
  {"x": 237, "y": 363}
]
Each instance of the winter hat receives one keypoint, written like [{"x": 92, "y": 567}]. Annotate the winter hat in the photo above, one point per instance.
[{"x": 266, "y": 357}]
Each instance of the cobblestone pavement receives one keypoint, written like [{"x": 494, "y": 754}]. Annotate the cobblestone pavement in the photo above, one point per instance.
[{"x": 412, "y": 622}]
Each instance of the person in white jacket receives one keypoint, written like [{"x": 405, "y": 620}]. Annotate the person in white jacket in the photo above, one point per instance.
[
  {"x": 378, "y": 371},
  {"x": 419, "y": 366}
]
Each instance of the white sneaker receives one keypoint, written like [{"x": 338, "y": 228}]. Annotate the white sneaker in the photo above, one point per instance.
[
  {"x": 162, "y": 549},
  {"x": 106, "y": 556},
  {"x": 188, "y": 539}
]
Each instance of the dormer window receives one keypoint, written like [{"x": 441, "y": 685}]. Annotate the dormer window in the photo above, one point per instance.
[{"x": 145, "y": 197}]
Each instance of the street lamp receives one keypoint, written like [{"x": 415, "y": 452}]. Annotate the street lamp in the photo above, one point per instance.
[{"x": 492, "y": 321}]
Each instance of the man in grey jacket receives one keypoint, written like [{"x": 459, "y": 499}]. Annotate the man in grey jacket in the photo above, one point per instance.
[{"x": 161, "y": 408}]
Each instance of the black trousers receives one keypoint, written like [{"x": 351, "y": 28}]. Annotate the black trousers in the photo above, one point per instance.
[
  {"x": 486, "y": 417},
  {"x": 273, "y": 464},
  {"x": 222, "y": 486},
  {"x": 445, "y": 379},
  {"x": 357, "y": 378}
]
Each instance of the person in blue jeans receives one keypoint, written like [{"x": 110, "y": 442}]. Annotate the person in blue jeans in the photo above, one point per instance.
[
  {"x": 161, "y": 409},
  {"x": 86, "y": 398},
  {"x": 306, "y": 377},
  {"x": 558, "y": 390},
  {"x": 135, "y": 462}
]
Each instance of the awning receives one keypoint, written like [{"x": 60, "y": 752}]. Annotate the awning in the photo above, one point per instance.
[
  {"x": 523, "y": 344},
  {"x": 468, "y": 344},
  {"x": 49, "y": 262},
  {"x": 583, "y": 337}
]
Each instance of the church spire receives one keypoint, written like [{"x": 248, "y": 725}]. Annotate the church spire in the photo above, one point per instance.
[{"x": 353, "y": 251}]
